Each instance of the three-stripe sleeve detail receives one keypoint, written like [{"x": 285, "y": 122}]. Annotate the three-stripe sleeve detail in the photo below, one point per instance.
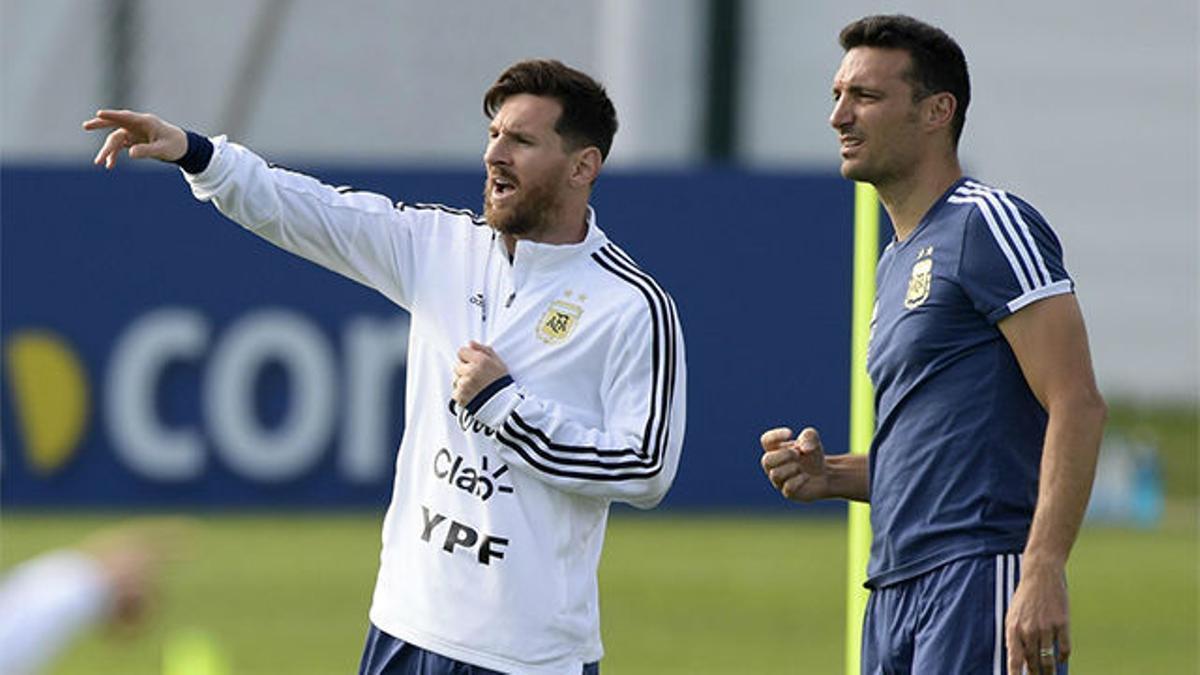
[
  {"x": 536, "y": 447},
  {"x": 422, "y": 206},
  {"x": 1011, "y": 232},
  {"x": 400, "y": 206}
]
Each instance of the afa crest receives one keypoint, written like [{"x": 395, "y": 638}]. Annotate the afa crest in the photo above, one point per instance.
[
  {"x": 559, "y": 321},
  {"x": 920, "y": 282}
]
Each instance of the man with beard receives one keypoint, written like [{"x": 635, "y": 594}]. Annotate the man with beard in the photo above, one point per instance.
[
  {"x": 988, "y": 419},
  {"x": 545, "y": 372}
]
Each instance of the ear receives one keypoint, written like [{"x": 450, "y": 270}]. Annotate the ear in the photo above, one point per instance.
[
  {"x": 939, "y": 110},
  {"x": 586, "y": 166}
]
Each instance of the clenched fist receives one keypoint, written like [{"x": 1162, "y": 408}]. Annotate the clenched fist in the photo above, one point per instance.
[
  {"x": 795, "y": 467},
  {"x": 477, "y": 367}
]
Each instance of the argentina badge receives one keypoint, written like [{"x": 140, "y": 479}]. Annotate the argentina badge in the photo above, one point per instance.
[
  {"x": 559, "y": 321},
  {"x": 919, "y": 282}
]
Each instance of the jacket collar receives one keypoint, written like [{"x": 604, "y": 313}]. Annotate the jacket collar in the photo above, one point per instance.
[{"x": 531, "y": 255}]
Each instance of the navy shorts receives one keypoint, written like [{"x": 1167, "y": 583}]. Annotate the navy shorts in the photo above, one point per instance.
[
  {"x": 948, "y": 620},
  {"x": 387, "y": 655}
]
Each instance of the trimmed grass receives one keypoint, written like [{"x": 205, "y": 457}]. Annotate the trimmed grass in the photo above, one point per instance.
[
  {"x": 723, "y": 595},
  {"x": 679, "y": 594}
]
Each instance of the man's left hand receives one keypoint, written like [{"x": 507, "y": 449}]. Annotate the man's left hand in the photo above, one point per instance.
[
  {"x": 477, "y": 367},
  {"x": 1037, "y": 628}
]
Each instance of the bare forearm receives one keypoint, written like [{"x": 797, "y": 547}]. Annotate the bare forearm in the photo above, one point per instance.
[
  {"x": 848, "y": 477},
  {"x": 1068, "y": 467}
]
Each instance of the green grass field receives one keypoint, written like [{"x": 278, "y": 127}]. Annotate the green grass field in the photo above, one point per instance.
[{"x": 680, "y": 594}]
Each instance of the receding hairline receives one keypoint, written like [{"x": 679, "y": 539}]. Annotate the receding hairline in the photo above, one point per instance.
[{"x": 907, "y": 70}]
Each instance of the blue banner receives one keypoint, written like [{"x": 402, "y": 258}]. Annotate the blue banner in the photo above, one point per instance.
[{"x": 158, "y": 355}]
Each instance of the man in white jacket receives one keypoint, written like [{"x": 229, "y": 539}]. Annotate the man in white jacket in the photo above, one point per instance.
[{"x": 546, "y": 372}]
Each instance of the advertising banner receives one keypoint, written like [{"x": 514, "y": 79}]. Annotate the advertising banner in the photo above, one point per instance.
[{"x": 156, "y": 355}]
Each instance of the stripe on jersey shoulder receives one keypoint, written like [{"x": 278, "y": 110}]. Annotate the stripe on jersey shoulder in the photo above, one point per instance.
[
  {"x": 1022, "y": 227},
  {"x": 536, "y": 447},
  {"x": 281, "y": 167},
  {"x": 475, "y": 218},
  {"x": 1011, "y": 232},
  {"x": 620, "y": 253},
  {"x": 340, "y": 189},
  {"x": 666, "y": 322}
]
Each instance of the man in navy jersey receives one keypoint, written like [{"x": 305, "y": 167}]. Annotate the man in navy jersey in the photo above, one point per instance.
[{"x": 988, "y": 419}]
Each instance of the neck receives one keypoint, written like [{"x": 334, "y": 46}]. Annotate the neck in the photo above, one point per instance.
[
  {"x": 908, "y": 198},
  {"x": 567, "y": 226}
]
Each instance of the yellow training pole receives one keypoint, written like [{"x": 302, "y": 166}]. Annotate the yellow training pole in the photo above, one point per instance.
[{"x": 862, "y": 410}]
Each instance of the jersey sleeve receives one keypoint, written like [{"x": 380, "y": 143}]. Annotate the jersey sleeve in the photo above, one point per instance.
[
  {"x": 361, "y": 235},
  {"x": 634, "y": 455},
  {"x": 44, "y": 604},
  {"x": 1010, "y": 256}
]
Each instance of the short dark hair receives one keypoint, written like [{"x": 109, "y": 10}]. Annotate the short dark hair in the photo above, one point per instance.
[
  {"x": 938, "y": 63},
  {"x": 588, "y": 116}
]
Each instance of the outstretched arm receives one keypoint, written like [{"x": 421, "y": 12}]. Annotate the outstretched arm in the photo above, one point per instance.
[{"x": 361, "y": 235}]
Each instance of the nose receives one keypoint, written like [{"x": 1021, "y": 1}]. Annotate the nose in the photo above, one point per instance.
[
  {"x": 841, "y": 115},
  {"x": 495, "y": 153}
]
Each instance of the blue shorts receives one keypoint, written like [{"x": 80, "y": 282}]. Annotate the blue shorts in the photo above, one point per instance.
[
  {"x": 948, "y": 620},
  {"x": 387, "y": 655}
]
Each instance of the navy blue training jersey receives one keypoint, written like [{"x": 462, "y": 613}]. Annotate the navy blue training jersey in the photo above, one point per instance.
[{"x": 958, "y": 435}]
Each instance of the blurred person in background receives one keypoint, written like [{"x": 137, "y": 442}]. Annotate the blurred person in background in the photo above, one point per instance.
[
  {"x": 537, "y": 345},
  {"x": 113, "y": 575},
  {"x": 988, "y": 419}
]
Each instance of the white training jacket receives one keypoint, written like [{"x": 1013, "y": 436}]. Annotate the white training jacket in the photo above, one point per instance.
[{"x": 498, "y": 512}]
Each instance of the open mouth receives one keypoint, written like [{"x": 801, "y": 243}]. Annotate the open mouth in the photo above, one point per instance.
[{"x": 502, "y": 187}]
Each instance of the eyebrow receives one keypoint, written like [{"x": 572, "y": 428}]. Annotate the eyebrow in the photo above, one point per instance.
[
  {"x": 856, "y": 89},
  {"x": 515, "y": 133}
]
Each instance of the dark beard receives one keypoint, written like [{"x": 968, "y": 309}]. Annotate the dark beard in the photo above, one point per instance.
[{"x": 527, "y": 216}]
